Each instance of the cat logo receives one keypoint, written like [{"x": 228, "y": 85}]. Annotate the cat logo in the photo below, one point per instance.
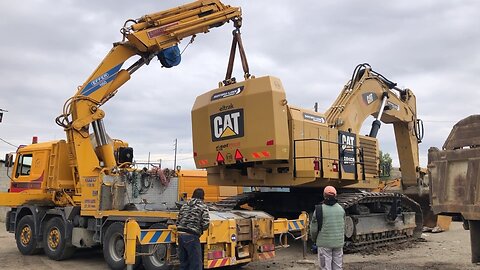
[
  {"x": 227, "y": 125},
  {"x": 369, "y": 97},
  {"x": 347, "y": 151}
]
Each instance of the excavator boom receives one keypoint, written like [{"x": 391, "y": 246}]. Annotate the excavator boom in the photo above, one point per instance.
[{"x": 369, "y": 93}]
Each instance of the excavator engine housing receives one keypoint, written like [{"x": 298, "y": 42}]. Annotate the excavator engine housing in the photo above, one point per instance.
[{"x": 257, "y": 139}]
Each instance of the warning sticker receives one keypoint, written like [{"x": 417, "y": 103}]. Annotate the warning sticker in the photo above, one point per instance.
[
  {"x": 314, "y": 118},
  {"x": 227, "y": 93}
]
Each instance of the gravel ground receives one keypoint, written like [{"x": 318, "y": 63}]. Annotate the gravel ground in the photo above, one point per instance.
[{"x": 448, "y": 250}]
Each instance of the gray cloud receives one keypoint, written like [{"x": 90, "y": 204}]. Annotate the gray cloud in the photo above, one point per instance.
[{"x": 50, "y": 47}]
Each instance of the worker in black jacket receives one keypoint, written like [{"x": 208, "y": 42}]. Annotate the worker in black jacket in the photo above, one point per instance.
[{"x": 193, "y": 219}]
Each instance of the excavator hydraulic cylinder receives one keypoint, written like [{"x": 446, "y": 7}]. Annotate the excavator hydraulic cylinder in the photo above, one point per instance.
[
  {"x": 375, "y": 127},
  {"x": 376, "y": 124}
]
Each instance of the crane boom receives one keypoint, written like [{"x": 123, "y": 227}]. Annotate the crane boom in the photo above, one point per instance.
[
  {"x": 152, "y": 35},
  {"x": 148, "y": 37}
]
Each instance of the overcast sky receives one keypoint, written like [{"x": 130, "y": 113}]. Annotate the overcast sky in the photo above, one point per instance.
[{"x": 48, "y": 48}]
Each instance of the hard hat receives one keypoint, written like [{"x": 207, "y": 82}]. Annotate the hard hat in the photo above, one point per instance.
[{"x": 330, "y": 191}]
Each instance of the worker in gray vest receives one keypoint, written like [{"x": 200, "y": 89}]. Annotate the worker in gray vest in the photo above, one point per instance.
[{"x": 327, "y": 229}]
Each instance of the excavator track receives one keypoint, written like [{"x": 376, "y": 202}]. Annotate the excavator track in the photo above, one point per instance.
[
  {"x": 368, "y": 212},
  {"x": 396, "y": 229},
  {"x": 234, "y": 202}
]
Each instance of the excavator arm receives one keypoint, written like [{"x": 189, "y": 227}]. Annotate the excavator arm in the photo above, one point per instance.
[
  {"x": 369, "y": 93},
  {"x": 153, "y": 35}
]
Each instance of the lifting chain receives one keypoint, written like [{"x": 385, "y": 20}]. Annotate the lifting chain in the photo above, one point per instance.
[{"x": 237, "y": 40}]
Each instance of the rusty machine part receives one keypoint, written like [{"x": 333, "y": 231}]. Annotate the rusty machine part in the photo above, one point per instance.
[{"x": 454, "y": 174}]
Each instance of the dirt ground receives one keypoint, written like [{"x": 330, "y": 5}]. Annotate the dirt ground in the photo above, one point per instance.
[{"x": 448, "y": 250}]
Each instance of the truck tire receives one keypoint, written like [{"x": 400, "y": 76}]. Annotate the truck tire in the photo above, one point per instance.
[
  {"x": 25, "y": 236},
  {"x": 56, "y": 246},
  {"x": 114, "y": 247},
  {"x": 158, "y": 260}
]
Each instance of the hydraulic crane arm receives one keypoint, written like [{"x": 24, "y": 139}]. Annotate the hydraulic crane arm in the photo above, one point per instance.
[
  {"x": 369, "y": 93},
  {"x": 148, "y": 37},
  {"x": 153, "y": 35}
]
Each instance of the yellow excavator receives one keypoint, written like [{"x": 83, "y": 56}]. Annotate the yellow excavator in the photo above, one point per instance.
[{"x": 258, "y": 139}]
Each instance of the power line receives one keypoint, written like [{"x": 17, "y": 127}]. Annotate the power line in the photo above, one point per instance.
[
  {"x": 185, "y": 158},
  {"x": 11, "y": 144},
  {"x": 162, "y": 160},
  {"x": 440, "y": 121}
]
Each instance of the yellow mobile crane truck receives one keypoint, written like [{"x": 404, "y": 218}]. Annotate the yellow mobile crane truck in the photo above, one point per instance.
[
  {"x": 70, "y": 193},
  {"x": 258, "y": 139}
]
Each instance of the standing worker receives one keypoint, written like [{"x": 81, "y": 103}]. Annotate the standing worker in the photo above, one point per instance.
[
  {"x": 193, "y": 219},
  {"x": 328, "y": 228}
]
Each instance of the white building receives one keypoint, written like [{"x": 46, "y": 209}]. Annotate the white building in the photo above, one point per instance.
[
  {"x": 4, "y": 185},
  {"x": 4, "y": 180}
]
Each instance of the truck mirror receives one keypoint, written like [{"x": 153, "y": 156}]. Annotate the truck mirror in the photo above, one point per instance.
[{"x": 8, "y": 160}]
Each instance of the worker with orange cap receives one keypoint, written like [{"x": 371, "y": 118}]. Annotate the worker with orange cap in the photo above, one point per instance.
[{"x": 327, "y": 229}]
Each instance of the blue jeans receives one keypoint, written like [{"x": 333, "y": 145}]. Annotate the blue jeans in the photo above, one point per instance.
[{"x": 189, "y": 252}]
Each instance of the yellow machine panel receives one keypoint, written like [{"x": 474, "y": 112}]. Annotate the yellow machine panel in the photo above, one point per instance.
[
  {"x": 189, "y": 180},
  {"x": 220, "y": 123},
  {"x": 257, "y": 139}
]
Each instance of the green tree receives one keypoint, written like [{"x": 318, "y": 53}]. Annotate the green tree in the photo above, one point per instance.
[{"x": 385, "y": 165}]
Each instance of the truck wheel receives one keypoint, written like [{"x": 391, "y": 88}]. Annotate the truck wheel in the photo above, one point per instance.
[
  {"x": 25, "y": 236},
  {"x": 158, "y": 260},
  {"x": 56, "y": 246},
  {"x": 114, "y": 247}
]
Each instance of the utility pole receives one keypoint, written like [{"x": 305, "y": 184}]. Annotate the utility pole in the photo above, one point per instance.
[
  {"x": 148, "y": 162},
  {"x": 175, "y": 158}
]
